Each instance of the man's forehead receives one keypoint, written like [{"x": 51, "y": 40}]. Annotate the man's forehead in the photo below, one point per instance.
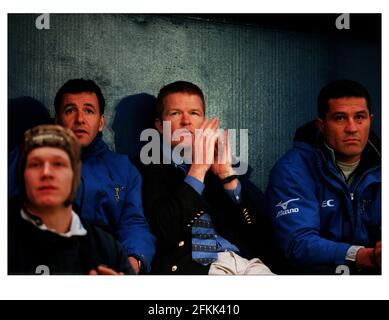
[
  {"x": 177, "y": 97},
  {"x": 183, "y": 106},
  {"x": 80, "y": 96},
  {"x": 347, "y": 105}
]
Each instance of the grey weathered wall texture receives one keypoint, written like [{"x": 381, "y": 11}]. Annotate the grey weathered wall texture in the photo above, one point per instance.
[{"x": 265, "y": 80}]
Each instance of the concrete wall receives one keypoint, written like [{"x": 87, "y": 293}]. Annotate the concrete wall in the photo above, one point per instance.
[{"x": 262, "y": 79}]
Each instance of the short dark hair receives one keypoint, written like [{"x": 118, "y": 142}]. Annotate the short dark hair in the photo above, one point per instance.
[
  {"x": 78, "y": 86},
  {"x": 176, "y": 87},
  {"x": 340, "y": 89}
]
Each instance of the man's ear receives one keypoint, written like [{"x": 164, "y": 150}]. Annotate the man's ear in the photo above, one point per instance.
[
  {"x": 320, "y": 124},
  {"x": 159, "y": 125},
  {"x": 101, "y": 124}
]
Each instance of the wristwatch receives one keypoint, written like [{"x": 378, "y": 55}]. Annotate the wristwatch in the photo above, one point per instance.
[
  {"x": 229, "y": 179},
  {"x": 351, "y": 254}
]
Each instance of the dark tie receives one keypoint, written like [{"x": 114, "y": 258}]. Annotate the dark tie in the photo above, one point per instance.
[{"x": 204, "y": 245}]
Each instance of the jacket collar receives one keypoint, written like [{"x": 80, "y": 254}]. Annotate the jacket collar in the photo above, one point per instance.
[
  {"x": 97, "y": 147},
  {"x": 76, "y": 227}
]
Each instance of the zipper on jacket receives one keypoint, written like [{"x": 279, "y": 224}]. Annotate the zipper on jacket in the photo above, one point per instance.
[
  {"x": 352, "y": 196},
  {"x": 337, "y": 174}
]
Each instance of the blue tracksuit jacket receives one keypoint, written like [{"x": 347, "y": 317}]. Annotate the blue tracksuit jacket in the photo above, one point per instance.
[{"x": 315, "y": 214}]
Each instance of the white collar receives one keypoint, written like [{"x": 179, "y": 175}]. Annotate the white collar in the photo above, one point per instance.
[{"x": 76, "y": 227}]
